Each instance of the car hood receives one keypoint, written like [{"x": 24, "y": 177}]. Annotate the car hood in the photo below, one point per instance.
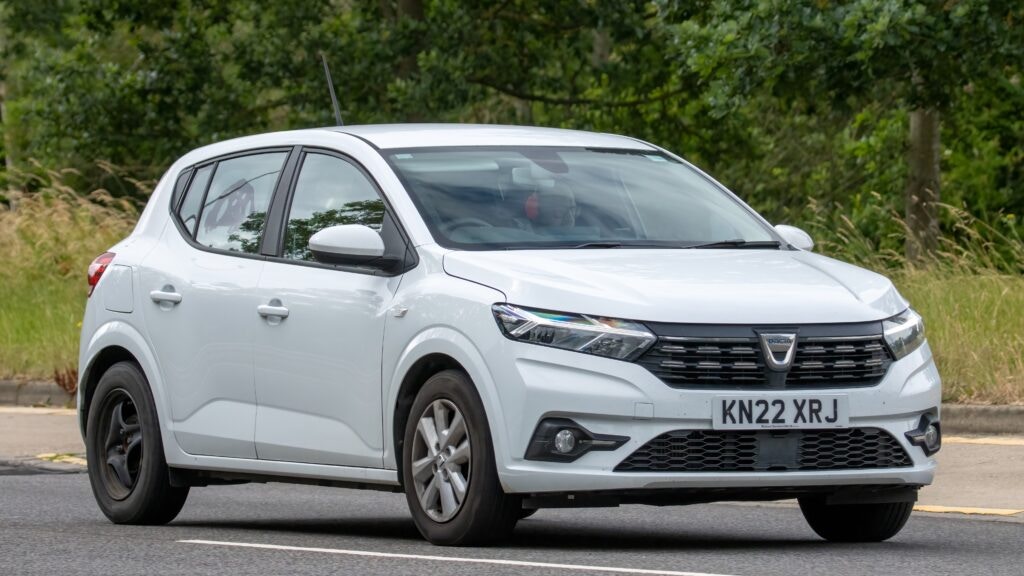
[{"x": 709, "y": 286}]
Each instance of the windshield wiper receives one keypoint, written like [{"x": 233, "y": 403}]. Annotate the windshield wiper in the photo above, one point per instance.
[
  {"x": 738, "y": 243},
  {"x": 599, "y": 245},
  {"x": 627, "y": 244}
]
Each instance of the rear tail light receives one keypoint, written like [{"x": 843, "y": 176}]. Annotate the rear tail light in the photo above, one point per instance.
[{"x": 97, "y": 268}]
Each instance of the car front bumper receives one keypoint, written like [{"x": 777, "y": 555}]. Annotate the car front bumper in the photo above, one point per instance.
[{"x": 612, "y": 397}]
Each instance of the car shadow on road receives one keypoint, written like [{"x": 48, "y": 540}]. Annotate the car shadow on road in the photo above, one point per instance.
[
  {"x": 538, "y": 534},
  {"x": 390, "y": 528}
]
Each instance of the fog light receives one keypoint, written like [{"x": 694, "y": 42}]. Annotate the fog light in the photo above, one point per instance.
[
  {"x": 562, "y": 440},
  {"x": 565, "y": 441},
  {"x": 931, "y": 437},
  {"x": 927, "y": 435}
]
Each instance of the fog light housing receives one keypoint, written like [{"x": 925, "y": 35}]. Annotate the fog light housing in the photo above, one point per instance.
[
  {"x": 562, "y": 440},
  {"x": 927, "y": 435}
]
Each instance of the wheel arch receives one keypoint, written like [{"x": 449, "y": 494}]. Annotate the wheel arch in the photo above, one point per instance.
[
  {"x": 115, "y": 342},
  {"x": 102, "y": 362},
  {"x": 432, "y": 351},
  {"x": 415, "y": 377}
]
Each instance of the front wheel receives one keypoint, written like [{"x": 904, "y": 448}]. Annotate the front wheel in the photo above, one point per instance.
[
  {"x": 855, "y": 522},
  {"x": 125, "y": 454},
  {"x": 448, "y": 467}
]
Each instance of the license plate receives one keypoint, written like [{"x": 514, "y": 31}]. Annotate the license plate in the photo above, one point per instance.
[{"x": 767, "y": 411}]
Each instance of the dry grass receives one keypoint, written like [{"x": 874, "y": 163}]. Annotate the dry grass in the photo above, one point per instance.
[
  {"x": 49, "y": 238},
  {"x": 972, "y": 297},
  {"x": 975, "y": 326}
]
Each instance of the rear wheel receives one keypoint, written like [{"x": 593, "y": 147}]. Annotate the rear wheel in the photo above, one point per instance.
[
  {"x": 855, "y": 522},
  {"x": 125, "y": 454},
  {"x": 448, "y": 468}
]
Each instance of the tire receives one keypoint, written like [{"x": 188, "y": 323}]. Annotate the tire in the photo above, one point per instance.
[
  {"x": 484, "y": 514},
  {"x": 525, "y": 513},
  {"x": 855, "y": 522},
  {"x": 125, "y": 453}
]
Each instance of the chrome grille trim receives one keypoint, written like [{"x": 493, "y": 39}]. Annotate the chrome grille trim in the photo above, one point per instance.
[{"x": 738, "y": 363}]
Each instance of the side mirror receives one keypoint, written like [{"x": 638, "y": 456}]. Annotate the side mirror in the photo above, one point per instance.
[
  {"x": 348, "y": 244},
  {"x": 795, "y": 236}
]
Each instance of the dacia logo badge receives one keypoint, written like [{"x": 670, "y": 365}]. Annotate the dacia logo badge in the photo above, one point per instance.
[{"x": 779, "y": 350}]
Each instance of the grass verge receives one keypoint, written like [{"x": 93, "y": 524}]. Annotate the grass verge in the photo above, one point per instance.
[
  {"x": 975, "y": 327},
  {"x": 974, "y": 319},
  {"x": 48, "y": 241}
]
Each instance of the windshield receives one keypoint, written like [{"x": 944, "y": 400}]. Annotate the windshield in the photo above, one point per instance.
[{"x": 533, "y": 197}]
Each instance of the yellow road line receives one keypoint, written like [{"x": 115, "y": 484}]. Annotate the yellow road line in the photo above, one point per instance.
[
  {"x": 47, "y": 410},
  {"x": 966, "y": 510},
  {"x": 989, "y": 440},
  {"x": 63, "y": 458}
]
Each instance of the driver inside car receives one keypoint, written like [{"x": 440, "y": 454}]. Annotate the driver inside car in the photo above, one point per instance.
[{"x": 552, "y": 209}]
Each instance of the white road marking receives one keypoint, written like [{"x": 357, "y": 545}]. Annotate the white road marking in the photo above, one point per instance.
[{"x": 489, "y": 561}]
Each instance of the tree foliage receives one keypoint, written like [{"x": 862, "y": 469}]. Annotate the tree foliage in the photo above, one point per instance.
[{"x": 801, "y": 106}]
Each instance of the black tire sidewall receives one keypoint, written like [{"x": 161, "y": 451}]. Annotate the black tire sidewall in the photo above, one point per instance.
[
  {"x": 869, "y": 522},
  {"x": 485, "y": 499},
  {"x": 152, "y": 483}
]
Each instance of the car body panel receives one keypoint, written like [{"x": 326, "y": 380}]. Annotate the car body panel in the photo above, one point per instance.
[
  {"x": 318, "y": 370},
  {"x": 388, "y": 136},
  {"x": 712, "y": 286},
  {"x": 205, "y": 343}
]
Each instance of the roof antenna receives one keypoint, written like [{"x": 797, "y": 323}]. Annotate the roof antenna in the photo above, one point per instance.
[{"x": 330, "y": 86}]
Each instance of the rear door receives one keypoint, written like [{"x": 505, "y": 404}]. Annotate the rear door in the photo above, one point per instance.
[
  {"x": 318, "y": 360},
  {"x": 201, "y": 316}
]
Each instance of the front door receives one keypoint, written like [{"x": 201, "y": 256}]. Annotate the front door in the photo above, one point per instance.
[{"x": 318, "y": 350}]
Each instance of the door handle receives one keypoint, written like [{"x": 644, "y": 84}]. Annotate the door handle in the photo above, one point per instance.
[
  {"x": 166, "y": 294},
  {"x": 272, "y": 310}
]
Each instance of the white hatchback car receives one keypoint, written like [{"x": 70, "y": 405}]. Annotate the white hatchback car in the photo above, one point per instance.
[{"x": 493, "y": 320}]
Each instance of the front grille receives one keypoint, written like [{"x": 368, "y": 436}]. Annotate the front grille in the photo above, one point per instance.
[
  {"x": 767, "y": 451},
  {"x": 739, "y": 363}
]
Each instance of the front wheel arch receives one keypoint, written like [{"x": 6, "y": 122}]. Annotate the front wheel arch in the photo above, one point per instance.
[{"x": 417, "y": 375}]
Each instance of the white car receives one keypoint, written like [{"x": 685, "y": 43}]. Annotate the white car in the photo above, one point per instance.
[{"x": 493, "y": 320}]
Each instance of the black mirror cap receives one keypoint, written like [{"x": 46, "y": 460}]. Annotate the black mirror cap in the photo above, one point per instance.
[{"x": 379, "y": 262}]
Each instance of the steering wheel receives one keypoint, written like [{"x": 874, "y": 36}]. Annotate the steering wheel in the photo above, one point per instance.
[{"x": 449, "y": 227}]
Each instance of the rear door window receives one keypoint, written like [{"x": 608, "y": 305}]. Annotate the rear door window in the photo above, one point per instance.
[{"x": 234, "y": 209}]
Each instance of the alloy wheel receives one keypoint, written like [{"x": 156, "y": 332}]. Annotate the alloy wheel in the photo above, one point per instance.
[
  {"x": 122, "y": 445},
  {"x": 441, "y": 460}
]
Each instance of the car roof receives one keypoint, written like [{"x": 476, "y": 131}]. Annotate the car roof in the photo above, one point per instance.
[
  {"x": 392, "y": 136},
  {"x": 433, "y": 135}
]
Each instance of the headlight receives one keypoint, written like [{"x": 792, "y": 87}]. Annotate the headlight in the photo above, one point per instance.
[
  {"x": 620, "y": 339},
  {"x": 904, "y": 332}
]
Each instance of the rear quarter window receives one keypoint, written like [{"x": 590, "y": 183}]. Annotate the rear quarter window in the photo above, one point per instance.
[{"x": 188, "y": 212}]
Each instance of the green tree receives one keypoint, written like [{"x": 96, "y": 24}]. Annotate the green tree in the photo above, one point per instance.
[
  {"x": 139, "y": 83},
  {"x": 916, "y": 54}
]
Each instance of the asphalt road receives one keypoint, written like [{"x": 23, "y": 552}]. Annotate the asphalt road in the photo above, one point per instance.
[{"x": 49, "y": 524}]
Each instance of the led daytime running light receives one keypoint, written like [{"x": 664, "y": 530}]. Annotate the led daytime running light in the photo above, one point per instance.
[
  {"x": 621, "y": 339},
  {"x": 904, "y": 333}
]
